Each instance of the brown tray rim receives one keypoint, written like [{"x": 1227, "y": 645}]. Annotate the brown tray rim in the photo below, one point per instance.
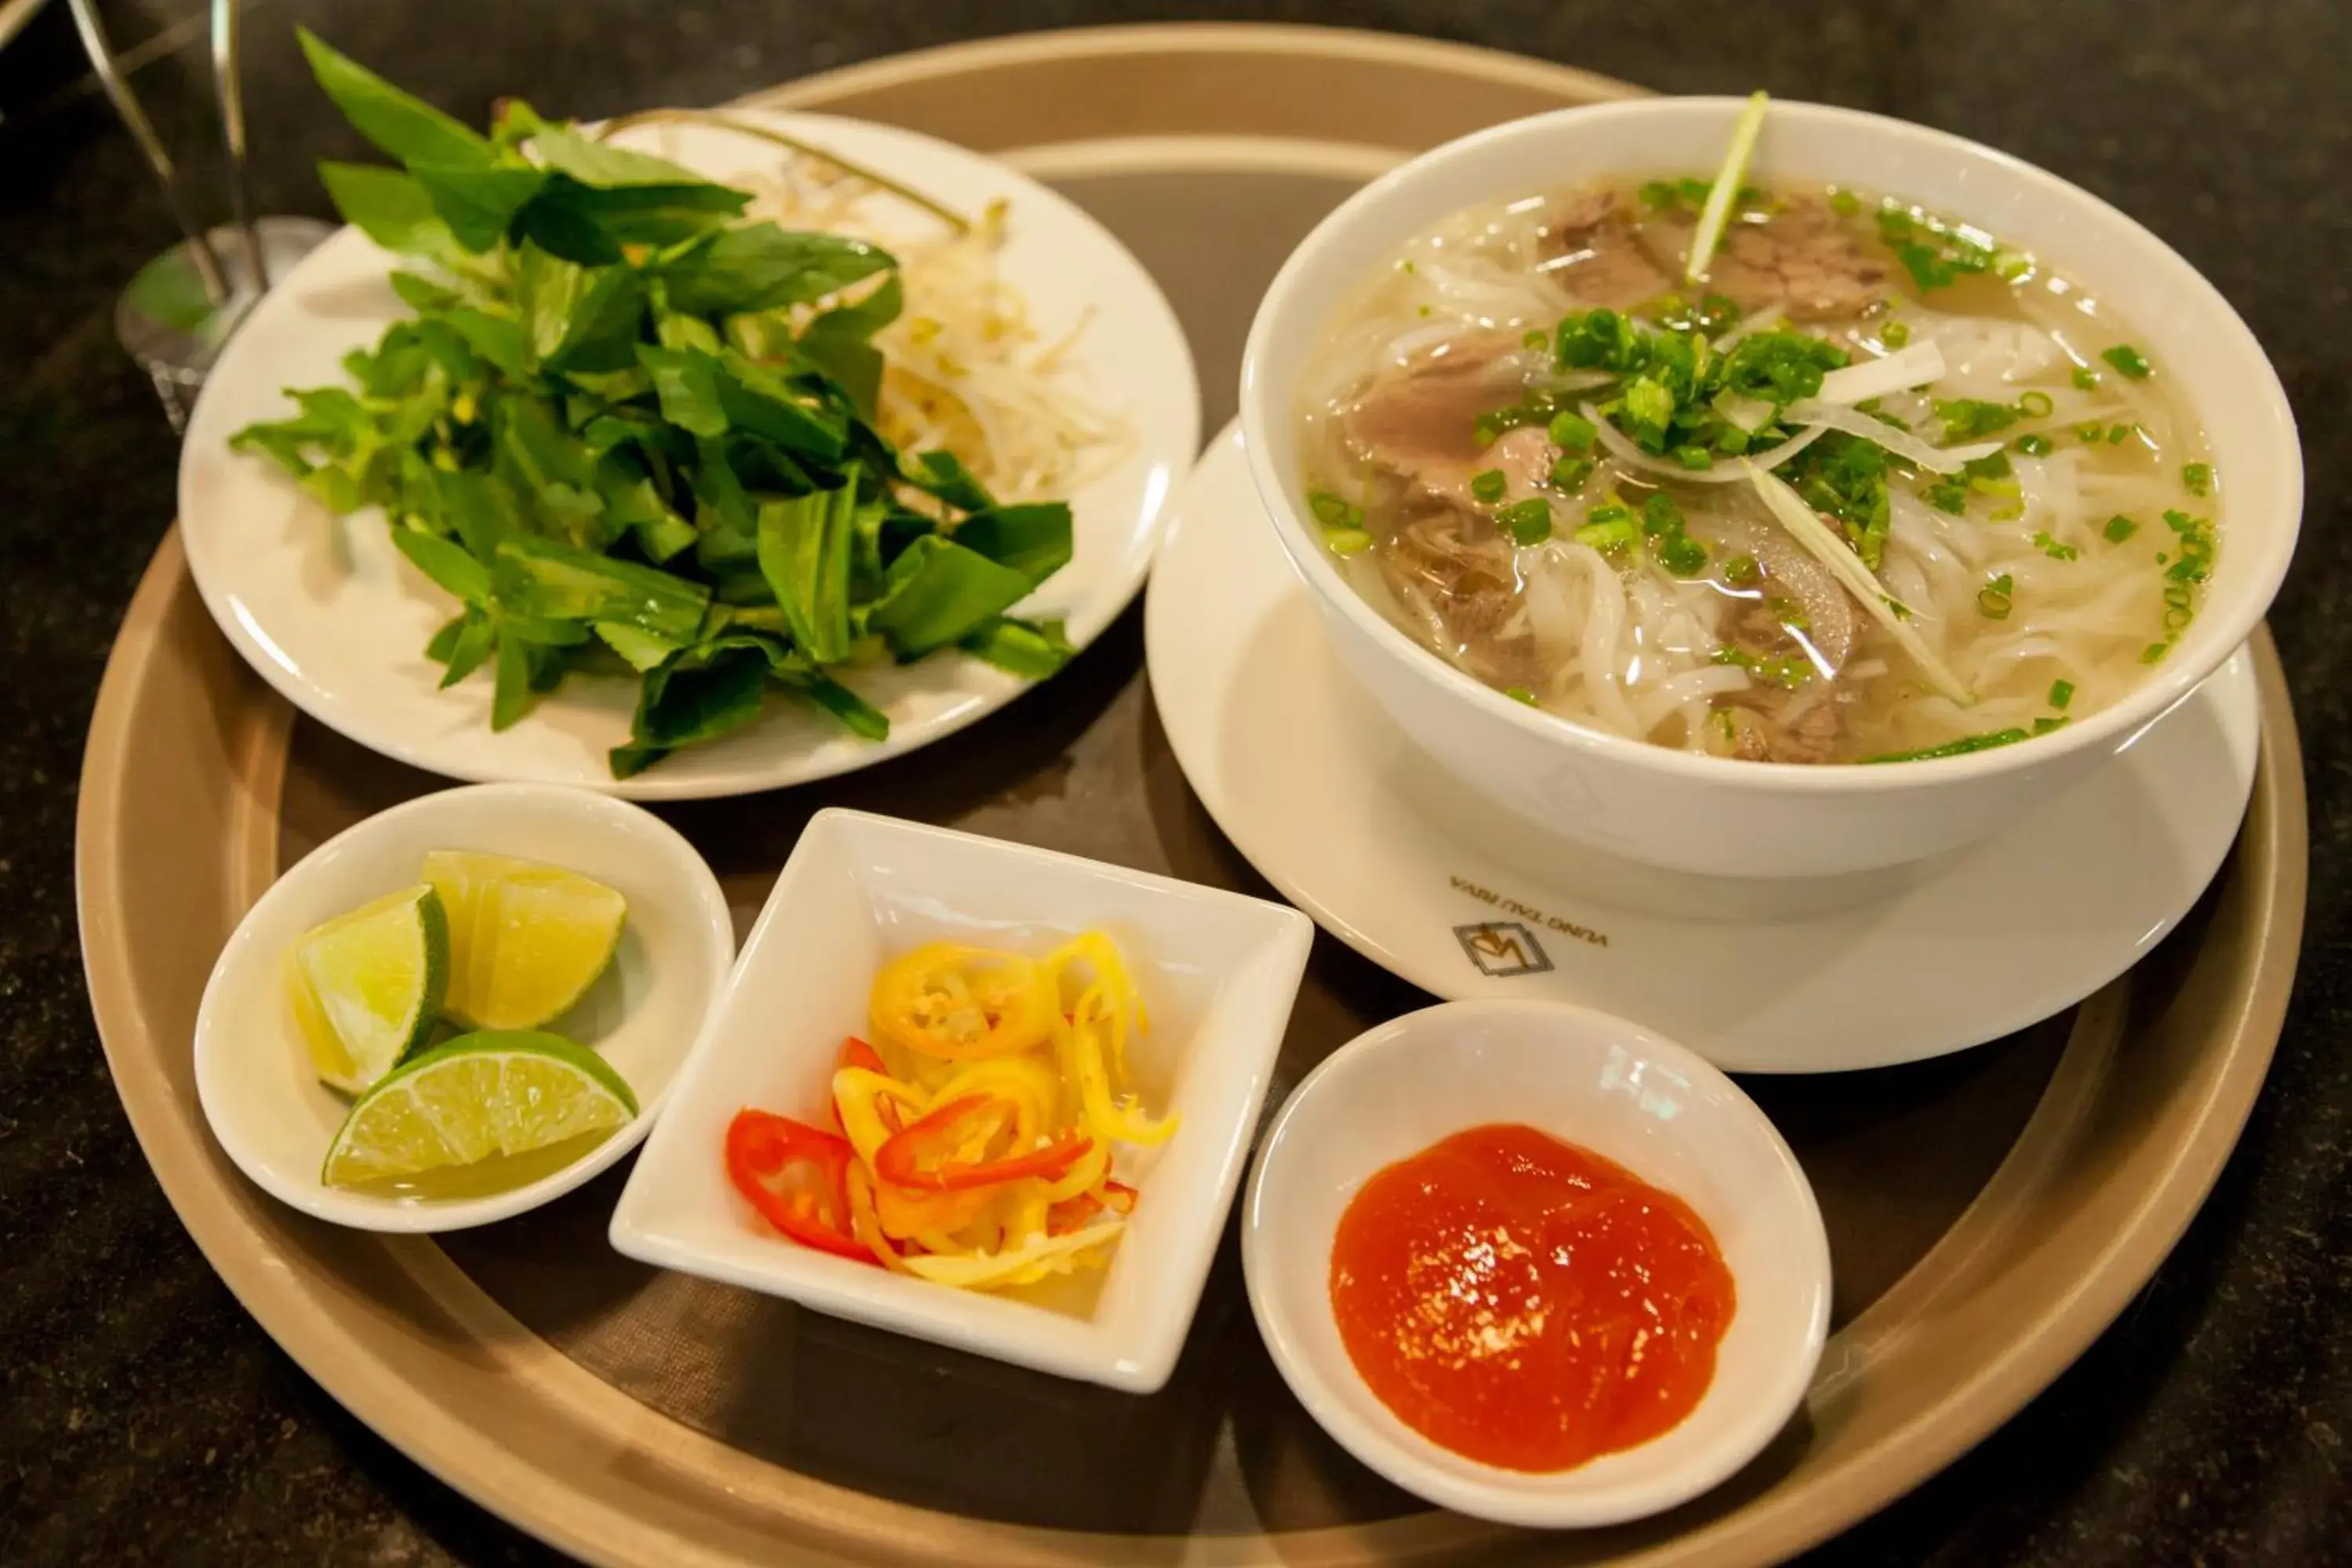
[{"x": 433, "y": 1312}]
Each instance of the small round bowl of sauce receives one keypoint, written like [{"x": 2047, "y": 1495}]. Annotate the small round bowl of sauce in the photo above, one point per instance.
[{"x": 1536, "y": 1264}]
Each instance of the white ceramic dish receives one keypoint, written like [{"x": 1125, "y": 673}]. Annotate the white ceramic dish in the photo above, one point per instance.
[
  {"x": 1667, "y": 807},
  {"x": 1590, "y": 1080},
  {"x": 337, "y": 620},
  {"x": 252, "y": 1070},
  {"x": 1218, "y": 971},
  {"x": 1355, "y": 825}
]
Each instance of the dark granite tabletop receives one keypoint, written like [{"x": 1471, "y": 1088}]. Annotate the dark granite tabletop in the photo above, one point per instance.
[{"x": 144, "y": 1417}]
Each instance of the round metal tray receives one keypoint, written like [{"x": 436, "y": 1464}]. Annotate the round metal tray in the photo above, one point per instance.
[{"x": 1989, "y": 1213}]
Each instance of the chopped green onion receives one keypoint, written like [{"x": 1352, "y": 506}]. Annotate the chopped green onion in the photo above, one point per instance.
[
  {"x": 2119, "y": 528},
  {"x": 1894, "y": 335},
  {"x": 2129, "y": 361},
  {"x": 2044, "y": 726},
  {"x": 1994, "y": 599},
  {"x": 1405, "y": 265},
  {"x": 1488, "y": 485},
  {"x": 1527, "y": 521},
  {"x": 2087, "y": 378},
  {"x": 1347, "y": 540},
  {"x": 1572, "y": 432},
  {"x": 1616, "y": 534},
  {"x": 1948, "y": 495},
  {"x": 1725, "y": 189},
  {"x": 1521, "y": 694},
  {"x": 1569, "y": 473},
  {"x": 2119, "y": 433},
  {"x": 2092, "y": 432},
  {"x": 1534, "y": 337},
  {"x": 1789, "y": 671},
  {"x": 2154, "y": 652},
  {"x": 1742, "y": 572},
  {"x": 1609, "y": 511},
  {"x": 2062, "y": 692},
  {"x": 1694, "y": 456},
  {"x": 1845, "y": 204},
  {"x": 2053, "y": 549},
  {"x": 1966, "y": 418},
  {"x": 1959, "y": 748},
  {"x": 2036, "y": 405},
  {"x": 1334, "y": 511},
  {"x": 2032, "y": 446},
  {"x": 2197, "y": 479}
]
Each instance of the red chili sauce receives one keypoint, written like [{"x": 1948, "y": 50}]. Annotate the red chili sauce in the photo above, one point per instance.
[{"x": 1527, "y": 1303}]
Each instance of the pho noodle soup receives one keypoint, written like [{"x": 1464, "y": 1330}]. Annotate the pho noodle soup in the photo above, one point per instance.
[{"x": 1874, "y": 488}]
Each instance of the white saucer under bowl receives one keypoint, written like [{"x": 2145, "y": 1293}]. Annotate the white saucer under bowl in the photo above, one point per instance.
[
  {"x": 334, "y": 617},
  {"x": 1354, "y": 824}
]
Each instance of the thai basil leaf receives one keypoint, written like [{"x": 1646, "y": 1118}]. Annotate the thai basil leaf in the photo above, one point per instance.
[
  {"x": 466, "y": 650},
  {"x": 756, "y": 399},
  {"x": 860, "y": 717},
  {"x": 505, "y": 343},
  {"x": 687, "y": 381},
  {"x": 548, "y": 580},
  {"x": 404, "y": 126},
  {"x": 448, "y": 564},
  {"x": 388, "y": 207},
  {"x": 601, "y": 163},
  {"x": 760, "y": 267},
  {"x": 680, "y": 705},
  {"x": 599, "y": 331},
  {"x": 511, "y": 698},
  {"x": 479, "y": 203}
]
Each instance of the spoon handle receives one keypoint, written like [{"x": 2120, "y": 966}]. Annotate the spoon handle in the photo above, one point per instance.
[
  {"x": 228, "y": 78},
  {"x": 143, "y": 131}
]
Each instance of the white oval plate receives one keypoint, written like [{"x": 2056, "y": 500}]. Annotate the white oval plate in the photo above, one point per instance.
[
  {"x": 644, "y": 1016},
  {"x": 1343, "y": 814},
  {"x": 336, "y": 619}
]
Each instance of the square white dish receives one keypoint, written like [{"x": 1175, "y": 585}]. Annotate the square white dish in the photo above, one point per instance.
[{"x": 1219, "y": 972}]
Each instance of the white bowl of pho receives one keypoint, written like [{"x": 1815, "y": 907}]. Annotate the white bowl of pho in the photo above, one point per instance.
[{"x": 1764, "y": 491}]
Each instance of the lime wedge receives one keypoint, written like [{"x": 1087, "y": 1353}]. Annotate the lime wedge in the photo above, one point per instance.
[
  {"x": 525, "y": 940},
  {"x": 367, "y": 987},
  {"x": 479, "y": 1095}
]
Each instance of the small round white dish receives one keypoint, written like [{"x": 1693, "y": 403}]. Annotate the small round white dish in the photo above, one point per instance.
[
  {"x": 1354, "y": 824},
  {"x": 1589, "y": 1080},
  {"x": 335, "y": 618},
  {"x": 253, "y": 1078}
]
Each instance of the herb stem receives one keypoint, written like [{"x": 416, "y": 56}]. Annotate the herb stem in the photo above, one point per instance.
[{"x": 613, "y": 126}]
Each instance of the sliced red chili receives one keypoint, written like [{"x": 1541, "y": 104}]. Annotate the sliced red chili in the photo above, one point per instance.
[
  {"x": 796, "y": 1177},
  {"x": 921, "y": 1156},
  {"x": 857, "y": 1053}
]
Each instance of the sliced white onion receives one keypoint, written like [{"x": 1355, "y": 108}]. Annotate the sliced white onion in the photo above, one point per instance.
[
  {"x": 1813, "y": 412},
  {"x": 1915, "y": 366},
  {"x": 1810, "y": 530},
  {"x": 1619, "y": 446},
  {"x": 1748, "y": 414}
]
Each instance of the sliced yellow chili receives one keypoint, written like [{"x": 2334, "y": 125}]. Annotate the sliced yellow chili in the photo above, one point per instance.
[{"x": 964, "y": 1003}]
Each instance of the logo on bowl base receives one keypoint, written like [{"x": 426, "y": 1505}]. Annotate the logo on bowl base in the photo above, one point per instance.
[{"x": 1501, "y": 949}]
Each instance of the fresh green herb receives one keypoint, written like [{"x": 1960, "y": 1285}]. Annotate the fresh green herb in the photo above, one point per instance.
[
  {"x": 1571, "y": 432},
  {"x": 1609, "y": 511},
  {"x": 2154, "y": 652},
  {"x": 2092, "y": 433},
  {"x": 1616, "y": 533},
  {"x": 1959, "y": 748},
  {"x": 1894, "y": 335},
  {"x": 1789, "y": 671},
  {"x": 1663, "y": 525},
  {"x": 1527, "y": 521},
  {"x": 1521, "y": 694},
  {"x": 1845, "y": 204},
  {"x": 1845, "y": 478},
  {"x": 2062, "y": 692},
  {"x": 1347, "y": 540},
  {"x": 1670, "y": 383},
  {"x": 2053, "y": 549},
  {"x": 1996, "y": 598},
  {"x": 2197, "y": 479},
  {"x": 1569, "y": 473},
  {"x": 617, "y": 425},
  {"x": 1938, "y": 254},
  {"x": 2046, "y": 725},
  {"x": 1968, "y": 418},
  {"x": 2036, "y": 405},
  {"x": 1947, "y": 495},
  {"x": 2086, "y": 378},
  {"x": 1488, "y": 485},
  {"x": 2119, "y": 433},
  {"x": 2129, "y": 361},
  {"x": 1742, "y": 572},
  {"x": 2032, "y": 444},
  {"x": 1534, "y": 337},
  {"x": 2119, "y": 528}
]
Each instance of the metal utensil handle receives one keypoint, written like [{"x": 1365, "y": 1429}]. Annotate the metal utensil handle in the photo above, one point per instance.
[
  {"x": 228, "y": 80},
  {"x": 142, "y": 131}
]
